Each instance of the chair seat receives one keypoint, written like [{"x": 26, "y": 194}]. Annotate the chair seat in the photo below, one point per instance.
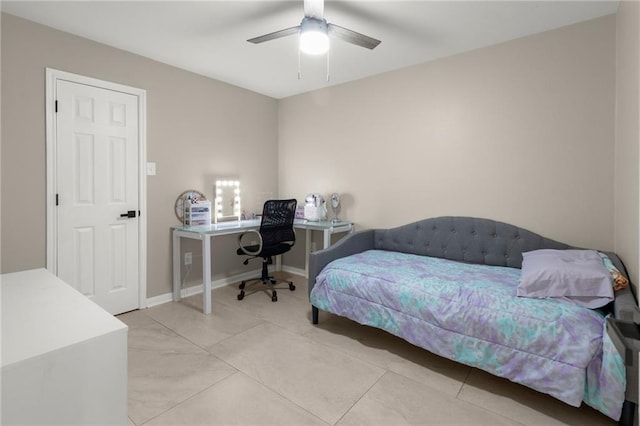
[{"x": 267, "y": 251}]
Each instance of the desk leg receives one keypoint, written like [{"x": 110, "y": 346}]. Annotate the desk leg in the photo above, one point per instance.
[
  {"x": 206, "y": 273},
  {"x": 176, "y": 267},
  {"x": 307, "y": 251},
  {"x": 326, "y": 234}
]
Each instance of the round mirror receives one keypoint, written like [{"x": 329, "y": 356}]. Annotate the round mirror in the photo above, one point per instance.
[
  {"x": 335, "y": 203},
  {"x": 335, "y": 200}
]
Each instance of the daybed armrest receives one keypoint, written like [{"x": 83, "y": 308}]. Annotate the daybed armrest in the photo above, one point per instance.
[
  {"x": 351, "y": 244},
  {"x": 624, "y": 305}
]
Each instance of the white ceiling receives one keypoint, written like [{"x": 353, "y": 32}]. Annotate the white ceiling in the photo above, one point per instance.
[{"x": 209, "y": 37}]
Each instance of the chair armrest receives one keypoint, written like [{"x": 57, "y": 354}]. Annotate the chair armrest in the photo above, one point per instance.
[
  {"x": 351, "y": 244},
  {"x": 244, "y": 248}
]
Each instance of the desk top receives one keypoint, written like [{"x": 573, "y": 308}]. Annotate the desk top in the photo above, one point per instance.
[{"x": 244, "y": 225}]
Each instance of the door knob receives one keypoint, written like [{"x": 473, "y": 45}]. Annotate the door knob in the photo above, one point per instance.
[{"x": 130, "y": 213}]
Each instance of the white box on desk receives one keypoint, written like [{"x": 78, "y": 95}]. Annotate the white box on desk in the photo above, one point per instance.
[{"x": 198, "y": 213}]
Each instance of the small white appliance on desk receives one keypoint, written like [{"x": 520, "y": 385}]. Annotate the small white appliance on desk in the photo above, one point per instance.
[{"x": 315, "y": 208}]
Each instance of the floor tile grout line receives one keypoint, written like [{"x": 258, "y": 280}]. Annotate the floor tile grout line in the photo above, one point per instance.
[
  {"x": 238, "y": 371},
  {"x": 237, "y": 334},
  {"x": 491, "y": 411},
  {"x": 311, "y": 340},
  {"x": 387, "y": 370},
  {"x": 186, "y": 338},
  {"x": 208, "y": 352},
  {"x": 345, "y": 352},
  {"x": 469, "y": 373},
  {"x": 362, "y": 396},
  {"x": 377, "y": 365},
  {"x": 189, "y": 397},
  {"x": 170, "y": 329},
  {"x": 464, "y": 382},
  {"x": 275, "y": 391},
  {"x": 176, "y": 333}
]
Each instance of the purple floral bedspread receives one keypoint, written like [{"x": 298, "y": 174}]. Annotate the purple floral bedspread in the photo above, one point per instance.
[{"x": 470, "y": 313}]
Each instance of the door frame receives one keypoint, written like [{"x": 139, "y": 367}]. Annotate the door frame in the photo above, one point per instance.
[{"x": 52, "y": 77}]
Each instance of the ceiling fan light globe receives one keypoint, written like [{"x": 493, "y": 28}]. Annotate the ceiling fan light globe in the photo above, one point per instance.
[{"x": 314, "y": 42}]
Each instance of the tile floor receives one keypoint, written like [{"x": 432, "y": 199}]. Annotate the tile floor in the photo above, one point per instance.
[{"x": 255, "y": 362}]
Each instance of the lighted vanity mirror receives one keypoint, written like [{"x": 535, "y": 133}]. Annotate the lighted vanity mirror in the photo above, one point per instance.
[{"x": 227, "y": 204}]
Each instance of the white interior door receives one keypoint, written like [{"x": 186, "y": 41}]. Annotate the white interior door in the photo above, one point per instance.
[{"x": 97, "y": 172}]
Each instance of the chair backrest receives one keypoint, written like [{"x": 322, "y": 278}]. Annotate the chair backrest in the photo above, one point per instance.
[{"x": 277, "y": 222}]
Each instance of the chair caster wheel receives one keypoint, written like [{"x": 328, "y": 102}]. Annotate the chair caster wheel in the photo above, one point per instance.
[
  {"x": 273, "y": 281},
  {"x": 241, "y": 295},
  {"x": 241, "y": 286},
  {"x": 292, "y": 286},
  {"x": 274, "y": 296}
]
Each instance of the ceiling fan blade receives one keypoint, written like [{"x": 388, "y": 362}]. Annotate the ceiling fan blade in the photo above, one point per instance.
[
  {"x": 274, "y": 35},
  {"x": 314, "y": 8},
  {"x": 352, "y": 36}
]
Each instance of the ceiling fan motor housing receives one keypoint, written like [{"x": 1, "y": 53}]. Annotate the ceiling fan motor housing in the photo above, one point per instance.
[
  {"x": 314, "y": 36},
  {"x": 309, "y": 23}
]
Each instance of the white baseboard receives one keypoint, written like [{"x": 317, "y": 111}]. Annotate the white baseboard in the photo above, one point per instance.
[
  {"x": 198, "y": 288},
  {"x": 159, "y": 300},
  {"x": 292, "y": 270}
]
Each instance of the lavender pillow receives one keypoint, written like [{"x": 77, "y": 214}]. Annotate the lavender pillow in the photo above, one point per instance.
[{"x": 577, "y": 276}]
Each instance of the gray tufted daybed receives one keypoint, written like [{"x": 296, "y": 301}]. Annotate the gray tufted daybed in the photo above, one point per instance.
[{"x": 450, "y": 284}]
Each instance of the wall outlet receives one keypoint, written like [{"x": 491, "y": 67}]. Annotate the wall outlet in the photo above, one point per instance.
[{"x": 188, "y": 258}]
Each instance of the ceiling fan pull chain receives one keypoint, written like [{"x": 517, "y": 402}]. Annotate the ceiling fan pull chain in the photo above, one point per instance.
[
  {"x": 328, "y": 75},
  {"x": 299, "y": 73}
]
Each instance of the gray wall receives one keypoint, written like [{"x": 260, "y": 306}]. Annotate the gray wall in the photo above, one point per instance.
[
  {"x": 197, "y": 128},
  {"x": 521, "y": 132}
]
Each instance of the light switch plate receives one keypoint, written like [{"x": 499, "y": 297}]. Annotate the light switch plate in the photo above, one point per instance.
[{"x": 151, "y": 169}]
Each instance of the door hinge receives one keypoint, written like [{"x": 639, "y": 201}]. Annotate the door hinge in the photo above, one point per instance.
[
  {"x": 57, "y": 199},
  {"x": 56, "y": 106}
]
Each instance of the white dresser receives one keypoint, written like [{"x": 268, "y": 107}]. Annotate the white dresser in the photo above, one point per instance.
[{"x": 64, "y": 359}]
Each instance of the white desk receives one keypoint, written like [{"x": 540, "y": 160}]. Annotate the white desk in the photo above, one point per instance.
[
  {"x": 206, "y": 233},
  {"x": 64, "y": 359}
]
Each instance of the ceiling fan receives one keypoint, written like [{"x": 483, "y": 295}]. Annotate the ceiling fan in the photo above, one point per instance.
[{"x": 314, "y": 32}]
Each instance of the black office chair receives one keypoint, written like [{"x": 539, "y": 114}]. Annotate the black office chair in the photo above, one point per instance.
[{"x": 276, "y": 236}]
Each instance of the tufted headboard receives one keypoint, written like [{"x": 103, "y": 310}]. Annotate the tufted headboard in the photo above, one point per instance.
[{"x": 465, "y": 239}]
